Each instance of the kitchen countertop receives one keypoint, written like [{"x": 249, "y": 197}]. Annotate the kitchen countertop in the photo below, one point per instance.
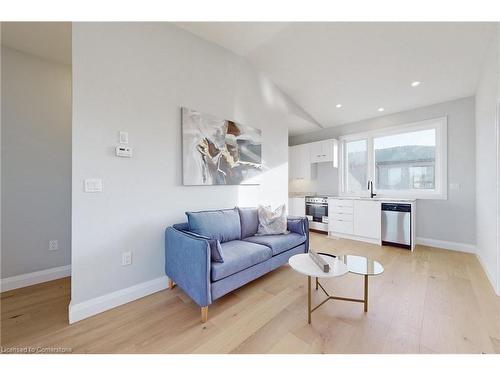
[
  {"x": 379, "y": 199},
  {"x": 303, "y": 195},
  {"x": 299, "y": 195},
  {"x": 382, "y": 199}
]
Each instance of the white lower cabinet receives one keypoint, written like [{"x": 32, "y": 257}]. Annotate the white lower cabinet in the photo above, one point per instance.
[
  {"x": 355, "y": 219},
  {"x": 367, "y": 219},
  {"x": 297, "y": 206}
]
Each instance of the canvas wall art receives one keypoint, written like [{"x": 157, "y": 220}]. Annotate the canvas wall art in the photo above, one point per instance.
[{"x": 218, "y": 151}]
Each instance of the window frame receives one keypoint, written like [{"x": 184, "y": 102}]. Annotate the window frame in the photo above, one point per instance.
[{"x": 440, "y": 124}]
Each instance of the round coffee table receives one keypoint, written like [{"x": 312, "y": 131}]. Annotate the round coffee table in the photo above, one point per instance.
[
  {"x": 361, "y": 266},
  {"x": 303, "y": 263}
]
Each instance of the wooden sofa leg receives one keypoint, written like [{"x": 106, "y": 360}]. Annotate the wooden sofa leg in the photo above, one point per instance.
[
  {"x": 171, "y": 284},
  {"x": 204, "y": 314}
]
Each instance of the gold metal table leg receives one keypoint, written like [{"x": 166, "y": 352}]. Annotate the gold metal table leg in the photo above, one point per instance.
[
  {"x": 329, "y": 297},
  {"x": 366, "y": 293},
  {"x": 309, "y": 299}
]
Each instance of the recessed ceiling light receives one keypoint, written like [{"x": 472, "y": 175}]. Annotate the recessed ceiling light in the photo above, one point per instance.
[
  {"x": 338, "y": 105},
  {"x": 415, "y": 83},
  {"x": 381, "y": 109}
]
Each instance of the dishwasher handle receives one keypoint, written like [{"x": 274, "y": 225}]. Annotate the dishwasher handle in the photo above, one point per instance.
[{"x": 398, "y": 207}]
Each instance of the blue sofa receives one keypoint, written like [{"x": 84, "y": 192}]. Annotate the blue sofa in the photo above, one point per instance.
[{"x": 189, "y": 258}]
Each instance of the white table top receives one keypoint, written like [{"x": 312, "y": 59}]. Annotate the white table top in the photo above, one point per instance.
[
  {"x": 360, "y": 265},
  {"x": 303, "y": 263}
]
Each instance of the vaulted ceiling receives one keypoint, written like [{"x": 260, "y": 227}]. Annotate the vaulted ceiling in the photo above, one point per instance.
[
  {"x": 361, "y": 66},
  {"x": 49, "y": 40}
]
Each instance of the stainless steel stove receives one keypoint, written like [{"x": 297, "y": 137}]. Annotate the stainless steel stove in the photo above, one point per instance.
[{"x": 317, "y": 212}]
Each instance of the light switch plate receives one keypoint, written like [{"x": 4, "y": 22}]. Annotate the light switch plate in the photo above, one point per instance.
[
  {"x": 454, "y": 186},
  {"x": 127, "y": 258},
  {"x": 123, "y": 138},
  {"x": 93, "y": 185}
]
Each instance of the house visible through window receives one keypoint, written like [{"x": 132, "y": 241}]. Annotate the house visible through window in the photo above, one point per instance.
[{"x": 404, "y": 161}]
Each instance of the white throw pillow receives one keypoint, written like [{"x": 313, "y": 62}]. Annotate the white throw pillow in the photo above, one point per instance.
[{"x": 272, "y": 222}]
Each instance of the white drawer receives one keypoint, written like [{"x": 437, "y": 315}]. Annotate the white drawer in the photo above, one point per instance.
[
  {"x": 341, "y": 207},
  {"x": 340, "y": 216},
  {"x": 341, "y": 226},
  {"x": 341, "y": 202}
]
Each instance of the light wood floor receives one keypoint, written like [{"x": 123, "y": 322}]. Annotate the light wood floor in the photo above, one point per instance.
[{"x": 429, "y": 301}]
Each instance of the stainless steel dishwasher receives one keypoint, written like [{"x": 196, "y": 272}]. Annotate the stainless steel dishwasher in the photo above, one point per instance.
[{"x": 396, "y": 224}]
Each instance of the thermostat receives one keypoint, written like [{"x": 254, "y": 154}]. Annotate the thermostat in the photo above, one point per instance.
[
  {"x": 92, "y": 185},
  {"x": 124, "y": 151}
]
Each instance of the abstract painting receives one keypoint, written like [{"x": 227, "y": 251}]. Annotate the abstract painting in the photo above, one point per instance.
[{"x": 218, "y": 151}]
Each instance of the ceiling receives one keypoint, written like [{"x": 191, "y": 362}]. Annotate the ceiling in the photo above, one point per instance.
[
  {"x": 363, "y": 66},
  {"x": 239, "y": 37},
  {"x": 50, "y": 40}
]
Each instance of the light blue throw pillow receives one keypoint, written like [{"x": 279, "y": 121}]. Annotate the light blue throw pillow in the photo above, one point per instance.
[{"x": 216, "y": 254}]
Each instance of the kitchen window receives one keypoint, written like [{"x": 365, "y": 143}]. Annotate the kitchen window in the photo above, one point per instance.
[
  {"x": 356, "y": 161},
  {"x": 405, "y": 161}
]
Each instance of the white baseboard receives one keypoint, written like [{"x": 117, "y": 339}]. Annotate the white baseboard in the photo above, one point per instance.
[
  {"x": 27, "y": 279},
  {"x": 354, "y": 238},
  {"x": 448, "y": 245},
  {"x": 490, "y": 277},
  {"x": 108, "y": 301}
]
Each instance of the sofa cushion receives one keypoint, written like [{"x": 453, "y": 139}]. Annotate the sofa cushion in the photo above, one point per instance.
[
  {"x": 223, "y": 225},
  {"x": 278, "y": 242},
  {"x": 249, "y": 218},
  {"x": 239, "y": 255}
]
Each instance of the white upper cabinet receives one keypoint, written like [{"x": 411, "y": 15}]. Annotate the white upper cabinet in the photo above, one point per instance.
[
  {"x": 324, "y": 151},
  {"x": 316, "y": 152},
  {"x": 301, "y": 157},
  {"x": 299, "y": 163}
]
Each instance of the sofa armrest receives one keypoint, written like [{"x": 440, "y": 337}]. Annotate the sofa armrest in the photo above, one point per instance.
[
  {"x": 299, "y": 225},
  {"x": 187, "y": 263}
]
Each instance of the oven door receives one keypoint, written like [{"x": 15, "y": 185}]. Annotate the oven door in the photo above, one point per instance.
[{"x": 318, "y": 212}]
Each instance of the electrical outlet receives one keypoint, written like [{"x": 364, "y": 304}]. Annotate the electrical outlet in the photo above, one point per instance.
[
  {"x": 127, "y": 258},
  {"x": 53, "y": 245}
]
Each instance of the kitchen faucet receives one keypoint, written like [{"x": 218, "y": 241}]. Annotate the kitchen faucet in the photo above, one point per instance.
[{"x": 370, "y": 187}]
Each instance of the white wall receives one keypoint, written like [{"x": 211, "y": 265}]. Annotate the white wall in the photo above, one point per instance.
[
  {"x": 36, "y": 163},
  {"x": 487, "y": 164},
  {"x": 135, "y": 77},
  {"x": 451, "y": 220}
]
